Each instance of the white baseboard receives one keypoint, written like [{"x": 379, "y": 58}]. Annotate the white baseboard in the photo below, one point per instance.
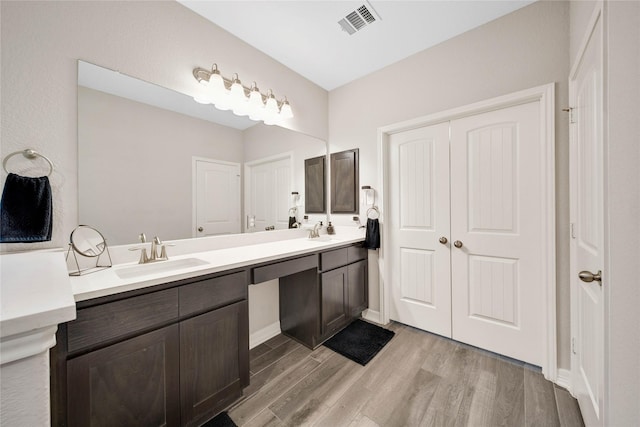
[
  {"x": 372, "y": 316},
  {"x": 564, "y": 379},
  {"x": 264, "y": 334}
]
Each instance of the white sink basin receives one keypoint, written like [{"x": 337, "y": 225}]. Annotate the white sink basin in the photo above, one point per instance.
[
  {"x": 158, "y": 267},
  {"x": 325, "y": 238}
]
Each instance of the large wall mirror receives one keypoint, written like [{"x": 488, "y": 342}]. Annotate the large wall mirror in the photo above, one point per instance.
[{"x": 153, "y": 160}]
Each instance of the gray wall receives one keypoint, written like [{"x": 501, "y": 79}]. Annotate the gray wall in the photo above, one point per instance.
[
  {"x": 527, "y": 48},
  {"x": 136, "y": 165}
]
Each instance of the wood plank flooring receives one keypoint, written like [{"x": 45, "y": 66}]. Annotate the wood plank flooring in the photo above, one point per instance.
[{"x": 418, "y": 379}]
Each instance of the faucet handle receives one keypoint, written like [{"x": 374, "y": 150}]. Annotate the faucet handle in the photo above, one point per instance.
[
  {"x": 157, "y": 240},
  {"x": 163, "y": 251},
  {"x": 143, "y": 254},
  {"x": 142, "y": 238}
]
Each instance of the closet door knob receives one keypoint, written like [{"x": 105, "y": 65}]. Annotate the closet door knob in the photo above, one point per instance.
[
  {"x": 587, "y": 276},
  {"x": 443, "y": 240},
  {"x": 457, "y": 244}
]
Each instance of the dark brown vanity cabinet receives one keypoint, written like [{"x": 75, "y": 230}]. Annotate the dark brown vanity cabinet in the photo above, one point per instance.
[
  {"x": 315, "y": 304},
  {"x": 333, "y": 288},
  {"x": 172, "y": 357},
  {"x": 212, "y": 376},
  {"x": 133, "y": 382},
  {"x": 358, "y": 289},
  {"x": 344, "y": 287}
]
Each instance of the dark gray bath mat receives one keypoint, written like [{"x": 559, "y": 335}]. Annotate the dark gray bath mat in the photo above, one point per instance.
[
  {"x": 360, "y": 341},
  {"x": 220, "y": 420}
]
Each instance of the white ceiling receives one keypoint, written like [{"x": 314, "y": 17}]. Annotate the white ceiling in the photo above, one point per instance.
[{"x": 306, "y": 37}]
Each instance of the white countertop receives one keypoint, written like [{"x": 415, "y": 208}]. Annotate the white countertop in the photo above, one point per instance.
[
  {"x": 35, "y": 292},
  {"x": 35, "y": 296},
  {"x": 107, "y": 282}
]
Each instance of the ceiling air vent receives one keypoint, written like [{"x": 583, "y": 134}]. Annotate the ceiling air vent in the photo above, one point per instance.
[{"x": 358, "y": 19}]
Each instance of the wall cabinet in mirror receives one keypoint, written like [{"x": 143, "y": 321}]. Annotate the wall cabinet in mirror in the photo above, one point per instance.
[
  {"x": 344, "y": 181},
  {"x": 314, "y": 185}
]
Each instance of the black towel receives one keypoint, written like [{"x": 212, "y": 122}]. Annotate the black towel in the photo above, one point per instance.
[
  {"x": 292, "y": 222},
  {"x": 26, "y": 210},
  {"x": 372, "y": 238}
]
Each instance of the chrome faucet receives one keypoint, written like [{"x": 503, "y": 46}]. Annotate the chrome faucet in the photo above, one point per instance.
[
  {"x": 315, "y": 233},
  {"x": 153, "y": 257}
]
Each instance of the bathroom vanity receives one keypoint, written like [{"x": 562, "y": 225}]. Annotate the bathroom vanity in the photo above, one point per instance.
[{"x": 176, "y": 352}]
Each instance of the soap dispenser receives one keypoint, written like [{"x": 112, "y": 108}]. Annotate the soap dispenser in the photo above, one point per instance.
[{"x": 330, "y": 229}]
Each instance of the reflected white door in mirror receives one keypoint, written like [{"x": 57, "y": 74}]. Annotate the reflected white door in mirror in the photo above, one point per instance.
[
  {"x": 216, "y": 197},
  {"x": 268, "y": 188}
]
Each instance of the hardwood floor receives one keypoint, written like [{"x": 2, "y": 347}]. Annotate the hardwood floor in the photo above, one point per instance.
[{"x": 418, "y": 379}]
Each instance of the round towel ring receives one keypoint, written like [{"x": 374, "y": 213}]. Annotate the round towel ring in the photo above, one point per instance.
[
  {"x": 29, "y": 154},
  {"x": 373, "y": 210}
]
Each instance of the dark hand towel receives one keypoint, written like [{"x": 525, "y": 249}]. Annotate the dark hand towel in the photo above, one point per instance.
[
  {"x": 26, "y": 210},
  {"x": 292, "y": 222},
  {"x": 372, "y": 238}
]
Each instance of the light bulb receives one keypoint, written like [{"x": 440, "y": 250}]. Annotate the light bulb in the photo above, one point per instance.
[
  {"x": 217, "y": 90},
  {"x": 238, "y": 99},
  {"x": 215, "y": 81},
  {"x": 285, "y": 110},
  {"x": 271, "y": 110},
  {"x": 255, "y": 104},
  {"x": 202, "y": 99}
]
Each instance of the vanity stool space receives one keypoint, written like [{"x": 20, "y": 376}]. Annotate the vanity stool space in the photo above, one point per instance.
[
  {"x": 173, "y": 354},
  {"x": 315, "y": 305},
  {"x": 177, "y": 353}
]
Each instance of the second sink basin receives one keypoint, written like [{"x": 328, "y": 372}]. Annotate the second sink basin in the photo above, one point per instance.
[
  {"x": 324, "y": 238},
  {"x": 158, "y": 267}
]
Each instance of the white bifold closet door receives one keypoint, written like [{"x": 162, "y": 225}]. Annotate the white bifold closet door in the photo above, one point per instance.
[
  {"x": 419, "y": 170},
  {"x": 475, "y": 182}
]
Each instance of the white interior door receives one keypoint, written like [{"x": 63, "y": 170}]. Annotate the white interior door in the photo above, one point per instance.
[
  {"x": 587, "y": 249},
  {"x": 217, "y": 198},
  {"x": 419, "y": 184},
  {"x": 496, "y": 232},
  {"x": 269, "y": 193}
]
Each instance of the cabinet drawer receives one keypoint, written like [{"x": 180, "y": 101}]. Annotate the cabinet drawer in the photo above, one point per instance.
[
  {"x": 212, "y": 293},
  {"x": 356, "y": 253},
  {"x": 284, "y": 268},
  {"x": 102, "y": 323},
  {"x": 333, "y": 259}
]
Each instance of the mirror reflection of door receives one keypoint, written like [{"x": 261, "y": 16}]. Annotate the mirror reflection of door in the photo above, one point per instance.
[
  {"x": 216, "y": 200},
  {"x": 268, "y": 193}
]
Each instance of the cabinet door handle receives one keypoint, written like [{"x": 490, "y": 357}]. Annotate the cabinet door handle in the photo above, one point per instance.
[
  {"x": 200, "y": 229},
  {"x": 443, "y": 240},
  {"x": 457, "y": 244}
]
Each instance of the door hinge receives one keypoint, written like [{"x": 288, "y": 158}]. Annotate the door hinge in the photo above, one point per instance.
[
  {"x": 570, "y": 111},
  {"x": 573, "y": 345},
  {"x": 573, "y": 230}
]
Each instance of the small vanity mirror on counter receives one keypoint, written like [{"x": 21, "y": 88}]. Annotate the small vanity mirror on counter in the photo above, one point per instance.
[
  {"x": 88, "y": 242},
  {"x": 179, "y": 169},
  {"x": 344, "y": 182}
]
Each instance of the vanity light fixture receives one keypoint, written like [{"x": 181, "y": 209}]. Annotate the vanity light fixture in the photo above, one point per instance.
[{"x": 230, "y": 94}]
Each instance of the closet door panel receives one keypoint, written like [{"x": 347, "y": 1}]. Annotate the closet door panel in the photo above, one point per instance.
[
  {"x": 419, "y": 183},
  {"x": 496, "y": 189}
]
